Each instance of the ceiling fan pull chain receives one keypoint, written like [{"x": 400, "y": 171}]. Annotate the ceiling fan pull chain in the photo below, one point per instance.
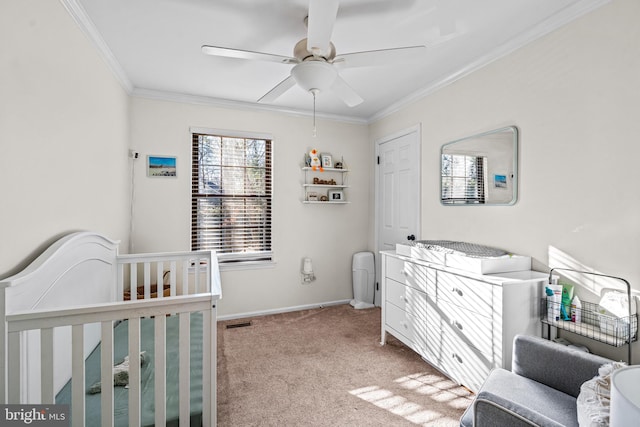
[{"x": 313, "y": 92}]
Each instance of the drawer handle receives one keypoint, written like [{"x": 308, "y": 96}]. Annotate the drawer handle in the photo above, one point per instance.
[
  {"x": 457, "y": 291},
  {"x": 456, "y": 358},
  {"x": 404, "y": 273},
  {"x": 457, "y": 324},
  {"x": 405, "y": 324}
]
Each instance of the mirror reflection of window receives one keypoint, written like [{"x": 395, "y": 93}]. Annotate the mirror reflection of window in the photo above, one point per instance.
[
  {"x": 480, "y": 169},
  {"x": 463, "y": 179}
]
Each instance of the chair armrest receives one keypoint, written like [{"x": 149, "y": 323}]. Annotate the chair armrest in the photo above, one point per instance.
[
  {"x": 491, "y": 410},
  {"x": 553, "y": 364}
]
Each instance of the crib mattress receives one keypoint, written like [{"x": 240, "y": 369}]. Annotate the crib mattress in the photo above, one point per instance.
[{"x": 121, "y": 394}]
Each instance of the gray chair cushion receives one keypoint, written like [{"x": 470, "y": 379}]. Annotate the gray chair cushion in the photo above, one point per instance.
[
  {"x": 553, "y": 364},
  {"x": 539, "y": 403}
]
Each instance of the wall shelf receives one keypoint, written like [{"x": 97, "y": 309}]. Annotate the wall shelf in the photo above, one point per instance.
[
  {"x": 310, "y": 202},
  {"x": 335, "y": 180}
]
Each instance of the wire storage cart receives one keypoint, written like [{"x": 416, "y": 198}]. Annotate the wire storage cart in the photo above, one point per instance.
[{"x": 611, "y": 330}]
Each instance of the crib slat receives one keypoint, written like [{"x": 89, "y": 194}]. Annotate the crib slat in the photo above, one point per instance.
[
  {"x": 147, "y": 280},
  {"x": 106, "y": 373},
  {"x": 46, "y": 366},
  {"x": 133, "y": 281},
  {"x": 77, "y": 376},
  {"x": 120, "y": 283},
  {"x": 134, "y": 370},
  {"x": 197, "y": 276},
  {"x": 160, "y": 279},
  {"x": 160, "y": 370},
  {"x": 208, "y": 368},
  {"x": 184, "y": 371},
  {"x": 208, "y": 276},
  {"x": 13, "y": 375},
  {"x": 172, "y": 278},
  {"x": 185, "y": 279}
]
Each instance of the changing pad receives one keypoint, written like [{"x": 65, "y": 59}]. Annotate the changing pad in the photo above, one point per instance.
[
  {"x": 460, "y": 248},
  {"x": 466, "y": 256}
]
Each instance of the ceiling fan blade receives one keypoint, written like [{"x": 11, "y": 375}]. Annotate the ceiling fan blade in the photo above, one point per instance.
[
  {"x": 343, "y": 91},
  {"x": 400, "y": 55},
  {"x": 322, "y": 16},
  {"x": 247, "y": 54},
  {"x": 278, "y": 90}
]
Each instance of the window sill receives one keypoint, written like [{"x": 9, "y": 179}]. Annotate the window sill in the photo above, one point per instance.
[{"x": 246, "y": 265}]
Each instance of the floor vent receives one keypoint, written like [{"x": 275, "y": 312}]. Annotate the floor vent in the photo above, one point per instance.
[{"x": 239, "y": 325}]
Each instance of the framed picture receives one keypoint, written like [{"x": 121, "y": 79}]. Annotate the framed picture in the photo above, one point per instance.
[
  {"x": 161, "y": 166},
  {"x": 500, "y": 181},
  {"x": 312, "y": 196},
  {"x": 335, "y": 196},
  {"x": 326, "y": 161}
]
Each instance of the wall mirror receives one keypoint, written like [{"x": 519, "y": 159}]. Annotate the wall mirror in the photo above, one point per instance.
[{"x": 480, "y": 169}]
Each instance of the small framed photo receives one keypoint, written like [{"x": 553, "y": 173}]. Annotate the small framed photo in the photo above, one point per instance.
[
  {"x": 336, "y": 196},
  {"x": 327, "y": 162},
  {"x": 500, "y": 181},
  {"x": 312, "y": 196},
  {"x": 161, "y": 166}
]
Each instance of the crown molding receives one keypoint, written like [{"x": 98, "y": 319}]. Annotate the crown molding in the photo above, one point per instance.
[
  {"x": 228, "y": 103},
  {"x": 568, "y": 14},
  {"x": 87, "y": 26}
]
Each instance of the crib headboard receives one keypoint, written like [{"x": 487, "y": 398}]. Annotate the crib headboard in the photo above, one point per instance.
[{"x": 76, "y": 270}]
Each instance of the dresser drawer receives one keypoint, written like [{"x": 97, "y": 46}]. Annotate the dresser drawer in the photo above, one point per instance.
[
  {"x": 463, "y": 363},
  {"x": 407, "y": 298},
  {"x": 411, "y": 327},
  {"x": 471, "y": 327},
  {"x": 415, "y": 275},
  {"x": 466, "y": 293}
]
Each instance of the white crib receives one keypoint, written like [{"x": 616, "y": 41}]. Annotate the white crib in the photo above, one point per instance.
[{"x": 56, "y": 311}]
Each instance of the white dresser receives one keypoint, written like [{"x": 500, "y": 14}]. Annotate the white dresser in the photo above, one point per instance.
[{"x": 462, "y": 323}]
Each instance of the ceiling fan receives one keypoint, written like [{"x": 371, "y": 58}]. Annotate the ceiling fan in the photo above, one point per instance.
[{"x": 314, "y": 58}]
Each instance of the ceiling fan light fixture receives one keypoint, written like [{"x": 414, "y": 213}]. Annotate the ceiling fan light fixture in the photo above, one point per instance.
[{"x": 318, "y": 75}]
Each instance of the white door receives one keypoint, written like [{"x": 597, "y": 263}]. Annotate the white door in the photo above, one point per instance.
[{"x": 398, "y": 191}]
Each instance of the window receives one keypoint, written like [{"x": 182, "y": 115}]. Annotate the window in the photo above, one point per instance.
[
  {"x": 231, "y": 197},
  {"x": 463, "y": 179}
]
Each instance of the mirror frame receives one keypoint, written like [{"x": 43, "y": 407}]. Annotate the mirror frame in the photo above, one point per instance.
[{"x": 514, "y": 174}]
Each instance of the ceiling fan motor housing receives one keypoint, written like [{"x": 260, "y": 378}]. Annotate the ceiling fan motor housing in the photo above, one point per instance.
[{"x": 300, "y": 51}]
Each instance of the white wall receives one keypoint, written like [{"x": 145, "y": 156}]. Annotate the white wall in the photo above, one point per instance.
[
  {"x": 328, "y": 234},
  {"x": 574, "y": 97},
  {"x": 63, "y": 134}
]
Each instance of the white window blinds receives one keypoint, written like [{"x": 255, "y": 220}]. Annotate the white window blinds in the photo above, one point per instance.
[
  {"x": 231, "y": 197},
  {"x": 463, "y": 179}
]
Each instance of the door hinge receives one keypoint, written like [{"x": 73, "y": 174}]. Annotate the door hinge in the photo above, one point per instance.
[{"x": 378, "y": 159}]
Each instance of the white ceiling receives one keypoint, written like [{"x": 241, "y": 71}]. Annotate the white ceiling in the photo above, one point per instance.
[{"x": 154, "y": 46}]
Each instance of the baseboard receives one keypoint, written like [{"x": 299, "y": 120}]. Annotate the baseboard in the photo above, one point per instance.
[{"x": 281, "y": 310}]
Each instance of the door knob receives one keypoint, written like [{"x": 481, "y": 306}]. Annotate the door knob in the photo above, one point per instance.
[{"x": 411, "y": 237}]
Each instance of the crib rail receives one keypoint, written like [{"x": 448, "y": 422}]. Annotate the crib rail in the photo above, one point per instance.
[
  {"x": 106, "y": 314},
  {"x": 182, "y": 272}
]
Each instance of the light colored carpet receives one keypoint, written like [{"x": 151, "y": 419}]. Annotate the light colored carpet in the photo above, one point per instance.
[{"x": 325, "y": 367}]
